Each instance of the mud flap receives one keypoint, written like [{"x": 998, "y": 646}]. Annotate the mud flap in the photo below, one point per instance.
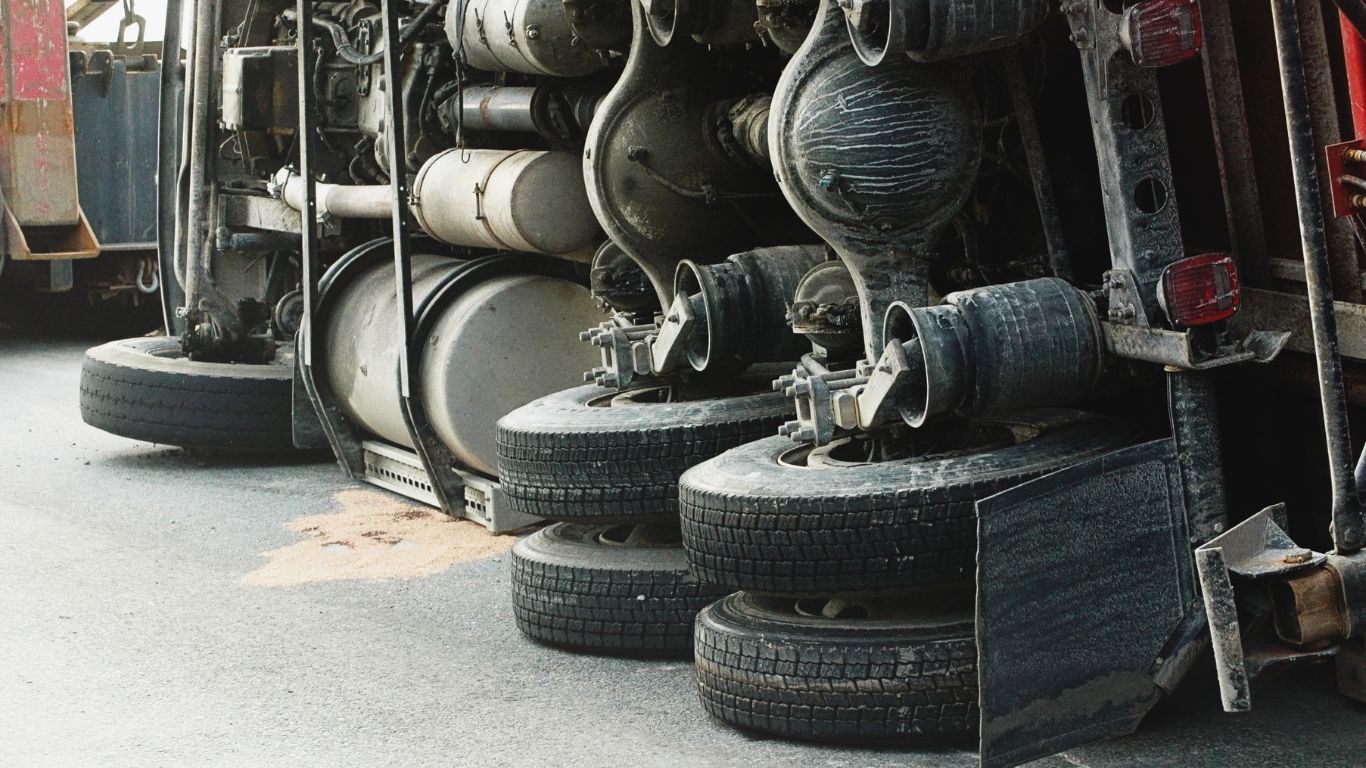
[{"x": 1086, "y": 602}]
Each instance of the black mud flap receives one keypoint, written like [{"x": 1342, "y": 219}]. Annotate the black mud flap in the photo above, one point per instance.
[{"x": 1086, "y": 603}]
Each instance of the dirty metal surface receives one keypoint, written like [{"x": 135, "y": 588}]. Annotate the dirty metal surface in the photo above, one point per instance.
[
  {"x": 1277, "y": 311},
  {"x": 1240, "y": 632},
  {"x": 1082, "y": 576},
  {"x": 116, "y": 148},
  {"x": 37, "y": 153}
]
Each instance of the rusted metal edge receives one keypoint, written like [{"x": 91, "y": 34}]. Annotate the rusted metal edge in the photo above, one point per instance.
[{"x": 70, "y": 242}]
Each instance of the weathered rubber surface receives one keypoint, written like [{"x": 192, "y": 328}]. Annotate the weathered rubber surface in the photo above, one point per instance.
[
  {"x": 836, "y": 680},
  {"x": 145, "y": 390},
  {"x": 752, "y": 523},
  {"x": 563, "y": 457},
  {"x": 571, "y": 590}
]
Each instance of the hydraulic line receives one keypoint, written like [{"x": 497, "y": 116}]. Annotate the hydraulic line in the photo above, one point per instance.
[{"x": 351, "y": 55}]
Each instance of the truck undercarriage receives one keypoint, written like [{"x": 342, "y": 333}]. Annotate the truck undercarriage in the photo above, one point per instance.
[{"x": 863, "y": 350}]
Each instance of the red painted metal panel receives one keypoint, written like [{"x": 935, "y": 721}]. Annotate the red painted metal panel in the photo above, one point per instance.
[
  {"x": 37, "y": 49},
  {"x": 1354, "y": 52},
  {"x": 37, "y": 135}
]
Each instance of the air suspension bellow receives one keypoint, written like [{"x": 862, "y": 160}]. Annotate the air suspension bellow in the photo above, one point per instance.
[
  {"x": 936, "y": 30},
  {"x": 743, "y": 302},
  {"x": 499, "y": 339},
  {"x": 997, "y": 349},
  {"x": 724, "y": 318}
]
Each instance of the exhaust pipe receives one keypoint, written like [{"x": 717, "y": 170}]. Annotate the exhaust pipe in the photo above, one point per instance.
[{"x": 522, "y": 200}]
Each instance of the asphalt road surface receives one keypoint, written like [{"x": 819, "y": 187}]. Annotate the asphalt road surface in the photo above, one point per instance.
[{"x": 165, "y": 609}]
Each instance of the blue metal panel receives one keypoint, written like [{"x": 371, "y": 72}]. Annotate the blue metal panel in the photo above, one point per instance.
[{"x": 116, "y": 146}]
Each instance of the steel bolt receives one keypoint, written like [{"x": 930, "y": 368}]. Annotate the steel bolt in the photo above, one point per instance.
[
  {"x": 806, "y": 434},
  {"x": 1298, "y": 556},
  {"x": 789, "y": 427},
  {"x": 801, "y": 387}
]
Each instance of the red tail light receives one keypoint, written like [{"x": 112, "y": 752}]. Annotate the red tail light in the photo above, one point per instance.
[
  {"x": 1159, "y": 33},
  {"x": 1200, "y": 290}
]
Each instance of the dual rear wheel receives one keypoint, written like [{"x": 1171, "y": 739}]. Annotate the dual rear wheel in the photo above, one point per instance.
[
  {"x": 611, "y": 575},
  {"x": 856, "y": 564}
]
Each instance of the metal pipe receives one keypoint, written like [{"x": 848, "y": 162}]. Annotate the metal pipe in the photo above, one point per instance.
[
  {"x": 398, "y": 189},
  {"x": 196, "y": 224},
  {"x": 170, "y": 127},
  {"x": 524, "y": 200},
  {"x": 500, "y": 108},
  {"x": 1347, "y": 512},
  {"x": 352, "y": 55},
  {"x": 340, "y": 200}
]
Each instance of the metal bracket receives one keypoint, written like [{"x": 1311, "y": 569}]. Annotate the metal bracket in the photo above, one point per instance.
[
  {"x": 633, "y": 353},
  {"x": 1346, "y": 169},
  {"x": 669, "y": 345},
  {"x": 1254, "y": 550},
  {"x": 401, "y": 471},
  {"x": 341, "y": 433},
  {"x": 1178, "y": 349},
  {"x": 625, "y": 350}
]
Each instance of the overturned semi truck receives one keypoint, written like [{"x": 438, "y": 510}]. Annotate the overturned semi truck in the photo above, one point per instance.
[{"x": 867, "y": 351}]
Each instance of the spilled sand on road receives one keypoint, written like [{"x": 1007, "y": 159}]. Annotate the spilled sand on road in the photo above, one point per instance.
[{"x": 373, "y": 535}]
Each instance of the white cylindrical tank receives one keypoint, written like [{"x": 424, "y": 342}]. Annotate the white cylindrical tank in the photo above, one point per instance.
[
  {"x": 522, "y": 200},
  {"x": 499, "y": 344},
  {"x": 529, "y": 36}
]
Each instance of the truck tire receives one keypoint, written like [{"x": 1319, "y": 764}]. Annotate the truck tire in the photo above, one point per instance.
[
  {"x": 593, "y": 455},
  {"x": 765, "y": 517},
  {"x": 597, "y": 589},
  {"x": 763, "y": 665},
  {"x": 146, "y": 389}
]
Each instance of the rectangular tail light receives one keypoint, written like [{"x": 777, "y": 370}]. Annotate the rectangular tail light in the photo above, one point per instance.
[
  {"x": 1159, "y": 33},
  {"x": 1200, "y": 290}
]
